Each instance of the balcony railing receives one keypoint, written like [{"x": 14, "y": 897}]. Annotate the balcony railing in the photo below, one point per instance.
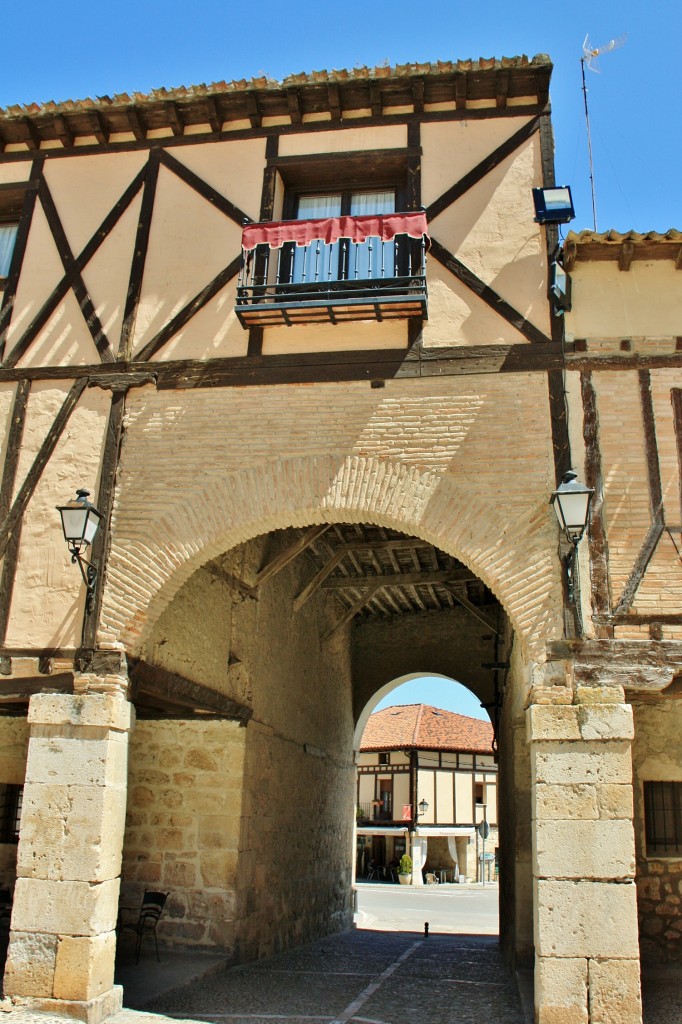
[{"x": 333, "y": 270}]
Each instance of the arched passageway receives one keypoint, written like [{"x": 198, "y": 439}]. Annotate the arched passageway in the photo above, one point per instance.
[{"x": 251, "y": 829}]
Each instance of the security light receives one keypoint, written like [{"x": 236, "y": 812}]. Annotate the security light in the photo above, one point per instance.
[{"x": 553, "y": 205}]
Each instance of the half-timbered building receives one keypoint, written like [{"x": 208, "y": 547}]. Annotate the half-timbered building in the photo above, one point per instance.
[{"x": 298, "y": 342}]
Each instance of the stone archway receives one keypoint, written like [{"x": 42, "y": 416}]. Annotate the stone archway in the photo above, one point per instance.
[{"x": 509, "y": 546}]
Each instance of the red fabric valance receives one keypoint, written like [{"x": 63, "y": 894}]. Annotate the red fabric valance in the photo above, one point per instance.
[{"x": 330, "y": 229}]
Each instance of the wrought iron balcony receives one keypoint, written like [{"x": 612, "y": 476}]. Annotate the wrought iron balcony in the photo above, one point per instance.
[{"x": 333, "y": 270}]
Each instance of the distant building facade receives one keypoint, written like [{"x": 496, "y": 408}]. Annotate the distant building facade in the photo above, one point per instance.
[{"x": 417, "y": 754}]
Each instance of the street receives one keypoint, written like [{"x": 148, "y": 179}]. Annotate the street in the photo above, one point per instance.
[{"x": 455, "y": 909}]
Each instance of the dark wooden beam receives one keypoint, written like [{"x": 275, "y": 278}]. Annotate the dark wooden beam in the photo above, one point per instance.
[
  {"x": 216, "y": 569},
  {"x": 135, "y": 124},
  {"x": 33, "y": 138},
  {"x": 21, "y": 690},
  {"x": 375, "y": 99},
  {"x": 638, "y": 570},
  {"x": 625, "y": 255},
  {"x": 487, "y": 294},
  {"x": 368, "y": 593},
  {"x": 181, "y": 692},
  {"x": 482, "y": 168},
  {"x": 501, "y": 88},
  {"x": 473, "y": 610},
  {"x": 334, "y": 101},
  {"x": 253, "y": 109},
  {"x": 213, "y": 116},
  {"x": 173, "y": 115},
  {"x": 291, "y": 552},
  {"x": 105, "y": 502},
  {"x": 49, "y": 306},
  {"x": 139, "y": 255},
  {"x": 418, "y": 95},
  {"x": 599, "y": 551},
  {"x": 9, "y": 474},
  {"x": 676, "y": 398},
  {"x": 405, "y": 579},
  {"x": 461, "y": 92},
  {"x": 64, "y": 133},
  {"x": 414, "y": 166},
  {"x": 678, "y": 260},
  {"x": 25, "y": 492},
  {"x": 651, "y": 447},
  {"x": 85, "y": 303},
  {"x": 10, "y": 291},
  {"x": 294, "y": 105},
  {"x": 100, "y": 131},
  {"x": 206, "y": 191}
]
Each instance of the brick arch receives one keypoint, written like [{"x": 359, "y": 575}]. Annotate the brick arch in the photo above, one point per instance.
[{"x": 511, "y": 547}]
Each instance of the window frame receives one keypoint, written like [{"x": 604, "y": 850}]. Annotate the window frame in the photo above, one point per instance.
[
  {"x": 11, "y": 804},
  {"x": 656, "y": 829},
  {"x": 12, "y": 199}
]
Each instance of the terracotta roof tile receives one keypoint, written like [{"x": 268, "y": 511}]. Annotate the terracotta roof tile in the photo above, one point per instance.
[{"x": 421, "y": 726}]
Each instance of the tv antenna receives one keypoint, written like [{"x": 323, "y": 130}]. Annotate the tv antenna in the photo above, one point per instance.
[{"x": 591, "y": 55}]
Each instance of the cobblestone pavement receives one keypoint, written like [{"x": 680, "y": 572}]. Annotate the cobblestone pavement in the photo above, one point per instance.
[{"x": 360, "y": 976}]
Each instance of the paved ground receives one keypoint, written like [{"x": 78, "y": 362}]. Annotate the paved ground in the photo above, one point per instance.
[{"x": 384, "y": 973}]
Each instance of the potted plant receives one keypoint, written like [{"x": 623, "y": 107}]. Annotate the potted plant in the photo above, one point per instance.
[{"x": 405, "y": 870}]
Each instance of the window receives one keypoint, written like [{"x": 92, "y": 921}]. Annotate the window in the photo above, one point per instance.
[
  {"x": 8, "y": 236},
  {"x": 383, "y": 759},
  {"x": 10, "y": 812},
  {"x": 663, "y": 818},
  {"x": 479, "y": 792}
]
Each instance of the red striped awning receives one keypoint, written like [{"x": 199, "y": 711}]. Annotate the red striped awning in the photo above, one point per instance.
[{"x": 331, "y": 229}]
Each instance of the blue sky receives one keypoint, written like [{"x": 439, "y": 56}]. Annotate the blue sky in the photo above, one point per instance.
[
  {"x": 439, "y": 692},
  {"x": 70, "y": 50}
]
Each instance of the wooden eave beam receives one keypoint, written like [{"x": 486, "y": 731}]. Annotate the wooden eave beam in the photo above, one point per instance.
[
  {"x": 418, "y": 95},
  {"x": 375, "y": 100},
  {"x": 501, "y": 88},
  {"x": 290, "y": 553},
  {"x": 253, "y": 111},
  {"x": 334, "y": 101},
  {"x": 100, "y": 131},
  {"x": 678, "y": 259},
  {"x": 20, "y": 690},
  {"x": 64, "y": 133},
  {"x": 33, "y": 139},
  {"x": 461, "y": 91},
  {"x": 172, "y": 113},
  {"x": 160, "y": 684},
  {"x": 213, "y": 116},
  {"x": 294, "y": 105},
  {"x": 625, "y": 255},
  {"x": 135, "y": 124}
]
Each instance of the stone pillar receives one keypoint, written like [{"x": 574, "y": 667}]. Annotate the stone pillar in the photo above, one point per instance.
[
  {"x": 585, "y": 912},
  {"x": 63, "y": 939},
  {"x": 419, "y": 850}
]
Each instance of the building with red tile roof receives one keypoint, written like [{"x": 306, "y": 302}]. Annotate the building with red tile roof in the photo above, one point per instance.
[{"x": 422, "y": 726}]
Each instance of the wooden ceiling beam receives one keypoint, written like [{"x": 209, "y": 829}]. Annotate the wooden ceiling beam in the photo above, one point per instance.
[
  {"x": 501, "y": 88},
  {"x": 375, "y": 101},
  {"x": 290, "y": 553},
  {"x": 461, "y": 91},
  {"x": 367, "y": 595},
  {"x": 475, "y": 612},
  {"x": 253, "y": 110},
  {"x": 625, "y": 255},
  {"x": 162, "y": 686},
  {"x": 405, "y": 579},
  {"x": 317, "y": 580}
]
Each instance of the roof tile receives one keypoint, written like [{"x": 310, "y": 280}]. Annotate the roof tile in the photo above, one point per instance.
[{"x": 421, "y": 726}]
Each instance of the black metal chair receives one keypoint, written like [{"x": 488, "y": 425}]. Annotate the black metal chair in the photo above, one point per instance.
[{"x": 150, "y": 913}]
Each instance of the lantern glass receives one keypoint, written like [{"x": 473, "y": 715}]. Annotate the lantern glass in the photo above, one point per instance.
[
  {"x": 80, "y": 520},
  {"x": 423, "y": 807},
  {"x": 571, "y": 502}
]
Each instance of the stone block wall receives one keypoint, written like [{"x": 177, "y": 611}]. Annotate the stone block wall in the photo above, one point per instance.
[{"x": 656, "y": 757}]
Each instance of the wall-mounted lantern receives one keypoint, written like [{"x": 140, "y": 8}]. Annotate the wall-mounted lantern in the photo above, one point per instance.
[
  {"x": 80, "y": 520},
  {"x": 423, "y": 808},
  {"x": 571, "y": 502},
  {"x": 559, "y": 288},
  {"x": 553, "y": 205}
]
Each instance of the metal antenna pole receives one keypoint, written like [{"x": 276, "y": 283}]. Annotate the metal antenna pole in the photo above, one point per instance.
[{"x": 589, "y": 144}]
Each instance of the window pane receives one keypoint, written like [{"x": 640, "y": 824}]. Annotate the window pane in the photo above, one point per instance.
[
  {"x": 663, "y": 815},
  {"x": 364, "y": 203},
  {"x": 312, "y": 207},
  {"x": 8, "y": 235}
]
